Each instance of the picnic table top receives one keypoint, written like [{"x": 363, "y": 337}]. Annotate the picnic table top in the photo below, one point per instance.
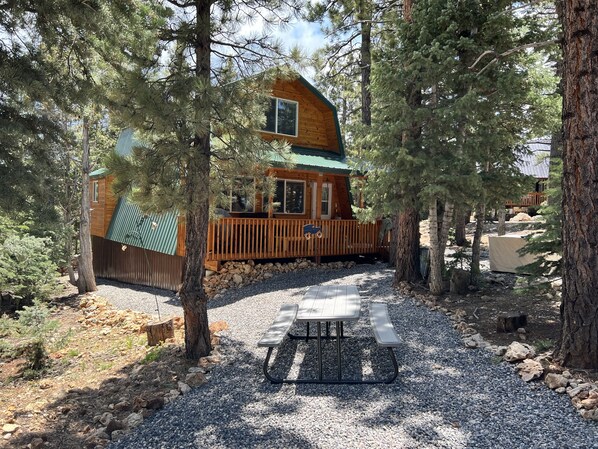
[{"x": 330, "y": 303}]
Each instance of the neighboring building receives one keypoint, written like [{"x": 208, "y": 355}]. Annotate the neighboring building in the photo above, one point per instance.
[
  {"x": 535, "y": 164},
  {"x": 316, "y": 191}
]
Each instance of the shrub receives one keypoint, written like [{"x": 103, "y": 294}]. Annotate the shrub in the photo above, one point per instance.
[{"x": 26, "y": 269}]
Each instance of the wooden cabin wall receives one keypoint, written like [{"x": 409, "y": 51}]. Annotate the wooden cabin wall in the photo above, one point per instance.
[
  {"x": 111, "y": 262},
  {"x": 102, "y": 210},
  {"x": 317, "y": 127}
]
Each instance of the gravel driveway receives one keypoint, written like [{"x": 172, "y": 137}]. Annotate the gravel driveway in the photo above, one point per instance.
[{"x": 446, "y": 396}]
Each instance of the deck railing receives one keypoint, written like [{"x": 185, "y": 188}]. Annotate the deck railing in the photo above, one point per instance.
[
  {"x": 277, "y": 238},
  {"x": 530, "y": 199}
]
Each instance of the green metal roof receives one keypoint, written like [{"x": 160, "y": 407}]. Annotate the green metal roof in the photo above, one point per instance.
[
  {"x": 314, "y": 160},
  {"x": 98, "y": 173},
  {"x": 126, "y": 142},
  {"x": 129, "y": 226}
]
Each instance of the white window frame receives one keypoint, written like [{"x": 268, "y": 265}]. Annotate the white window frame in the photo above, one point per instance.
[
  {"x": 284, "y": 200},
  {"x": 276, "y": 118},
  {"x": 95, "y": 194}
]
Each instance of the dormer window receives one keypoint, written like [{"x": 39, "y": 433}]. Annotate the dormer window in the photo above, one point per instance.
[{"x": 281, "y": 117}]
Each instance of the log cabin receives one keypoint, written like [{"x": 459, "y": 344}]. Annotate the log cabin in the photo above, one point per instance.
[
  {"x": 149, "y": 250},
  {"x": 536, "y": 164}
]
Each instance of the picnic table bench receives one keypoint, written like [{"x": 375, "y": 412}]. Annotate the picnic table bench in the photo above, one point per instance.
[{"x": 330, "y": 304}]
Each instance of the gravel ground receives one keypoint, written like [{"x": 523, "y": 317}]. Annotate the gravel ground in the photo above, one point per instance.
[{"x": 446, "y": 396}]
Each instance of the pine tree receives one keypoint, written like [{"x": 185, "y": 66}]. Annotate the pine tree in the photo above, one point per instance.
[
  {"x": 578, "y": 342},
  {"x": 465, "y": 120},
  {"x": 197, "y": 103}
]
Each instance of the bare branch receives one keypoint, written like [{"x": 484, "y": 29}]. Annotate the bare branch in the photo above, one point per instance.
[{"x": 509, "y": 52}]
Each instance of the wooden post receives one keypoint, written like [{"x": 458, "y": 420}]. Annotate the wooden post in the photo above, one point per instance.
[{"x": 159, "y": 332}]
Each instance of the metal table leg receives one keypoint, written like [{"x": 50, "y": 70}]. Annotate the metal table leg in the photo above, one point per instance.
[
  {"x": 319, "y": 351},
  {"x": 338, "y": 349}
]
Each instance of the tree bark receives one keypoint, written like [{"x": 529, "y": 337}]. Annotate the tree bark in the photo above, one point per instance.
[
  {"x": 407, "y": 247},
  {"x": 502, "y": 225},
  {"x": 197, "y": 185},
  {"x": 87, "y": 281},
  {"x": 480, "y": 212},
  {"x": 578, "y": 343},
  {"x": 365, "y": 53},
  {"x": 460, "y": 222},
  {"x": 438, "y": 237}
]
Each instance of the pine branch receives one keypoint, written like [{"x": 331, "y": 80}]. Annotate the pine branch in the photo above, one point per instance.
[{"x": 499, "y": 56}]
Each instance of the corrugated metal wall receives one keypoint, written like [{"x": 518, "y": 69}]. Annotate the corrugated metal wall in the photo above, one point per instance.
[{"x": 111, "y": 262}]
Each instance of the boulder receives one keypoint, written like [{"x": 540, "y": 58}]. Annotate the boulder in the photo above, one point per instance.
[
  {"x": 530, "y": 370},
  {"x": 133, "y": 420},
  {"x": 520, "y": 217},
  {"x": 554, "y": 381},
  {"x": 591, "y": 401},
  {"x": 183, "y": 387},
  {"x": 195, "y": 379},
  {"x": 475, "y": 341},
  {"x": 518, "y": 351}
]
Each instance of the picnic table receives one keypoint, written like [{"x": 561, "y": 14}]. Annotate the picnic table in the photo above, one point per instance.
[{"x": 329, "y": 304}]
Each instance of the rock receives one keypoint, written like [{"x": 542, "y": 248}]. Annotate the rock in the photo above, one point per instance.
[
  {"x": 475, "y": 341},
  {"x": 567, "y": 374},
  {"x": 36, "y": 443},
  {"x": 183, "y": 387},
  {"x": 133, "y": 420},
  {"x": 171, "y": 396},
  {"x": 118, "y": 434},
  {"x": 155, "y": 403},
  {"x": 268, "y": 275},
  {"x": 500, "y": 351},
  {"x": 113, "y": 425},
  {"x": 105, "y": 418},
  {"x": 518, "y": 351},
  {"x": 530, "y": 370},
  {"x": 521, "y": 330},
  {"x": 591, "y": 401},
  {"x": 555, "y": 381},
  {"x": 572, "y": 392},
  {"x": 10, "y": 428},
  {"x": 560, "y": 390},
  {"x": 122, "y": 406},
  {"x": 520, "y": 217},
  {"x": 195, "y": 379},
  {"x": 237, "y": 279},
  {"x": 557, "y": 284}
]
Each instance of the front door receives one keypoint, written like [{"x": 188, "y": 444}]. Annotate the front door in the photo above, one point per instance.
[{"x": 326, "y": 203}]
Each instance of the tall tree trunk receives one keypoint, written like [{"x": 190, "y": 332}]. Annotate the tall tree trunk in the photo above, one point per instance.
[
  {"x": 502, "y": 217},
  {"x": 365, "y": 53},
  {"x": 407, "y": 248},
  {"x": 578, "y": 342},
  {"x": 438, "y": 236},
  {"x": 460, "y": 222},
  {"x": 480, "y": 212},
  {"x": 407, "y": 237},
  {"x": 197, "y": 185},
  {"x": 87, "y": 281}
]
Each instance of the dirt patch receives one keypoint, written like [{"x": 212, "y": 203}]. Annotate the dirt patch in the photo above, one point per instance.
[{"x": 101, "y": 372}]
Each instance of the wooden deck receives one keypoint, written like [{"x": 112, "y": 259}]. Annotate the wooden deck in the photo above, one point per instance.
[
  {"x": 280, "y": 238},
  {"x": 530, "y": 199}
]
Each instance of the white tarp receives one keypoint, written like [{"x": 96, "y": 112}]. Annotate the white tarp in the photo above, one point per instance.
[{"x": 503, "y": 253}]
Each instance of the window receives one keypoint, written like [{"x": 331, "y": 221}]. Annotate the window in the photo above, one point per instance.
[
  {"x": 96, "y": 191},
  {"x": 241, "y": 195},
  {"x": 289, "y": 197},
  {"x": 326, "y": 200},
  {"x": 281, "y": 117}
]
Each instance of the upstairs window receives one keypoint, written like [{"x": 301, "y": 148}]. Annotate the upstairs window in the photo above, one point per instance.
[
  {"x": 96, "y": 191},
  {"x": 281, "y": 117}
]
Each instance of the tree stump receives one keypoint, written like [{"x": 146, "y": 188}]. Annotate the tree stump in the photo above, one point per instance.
[
  {"x": 511, "y": 322},
  {"x": 159, "y": 332},
  {"x": 460, "y": 281}
]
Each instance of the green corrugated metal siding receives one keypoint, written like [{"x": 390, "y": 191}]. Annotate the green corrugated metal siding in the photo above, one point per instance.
[{"x": 124, "y": 228}]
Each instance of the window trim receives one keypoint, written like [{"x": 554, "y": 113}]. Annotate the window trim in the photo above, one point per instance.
[
  {"x": 95, "y": 193},
  {"x": 276, "y": 118},
  {"x": 284, "y": 201}
]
